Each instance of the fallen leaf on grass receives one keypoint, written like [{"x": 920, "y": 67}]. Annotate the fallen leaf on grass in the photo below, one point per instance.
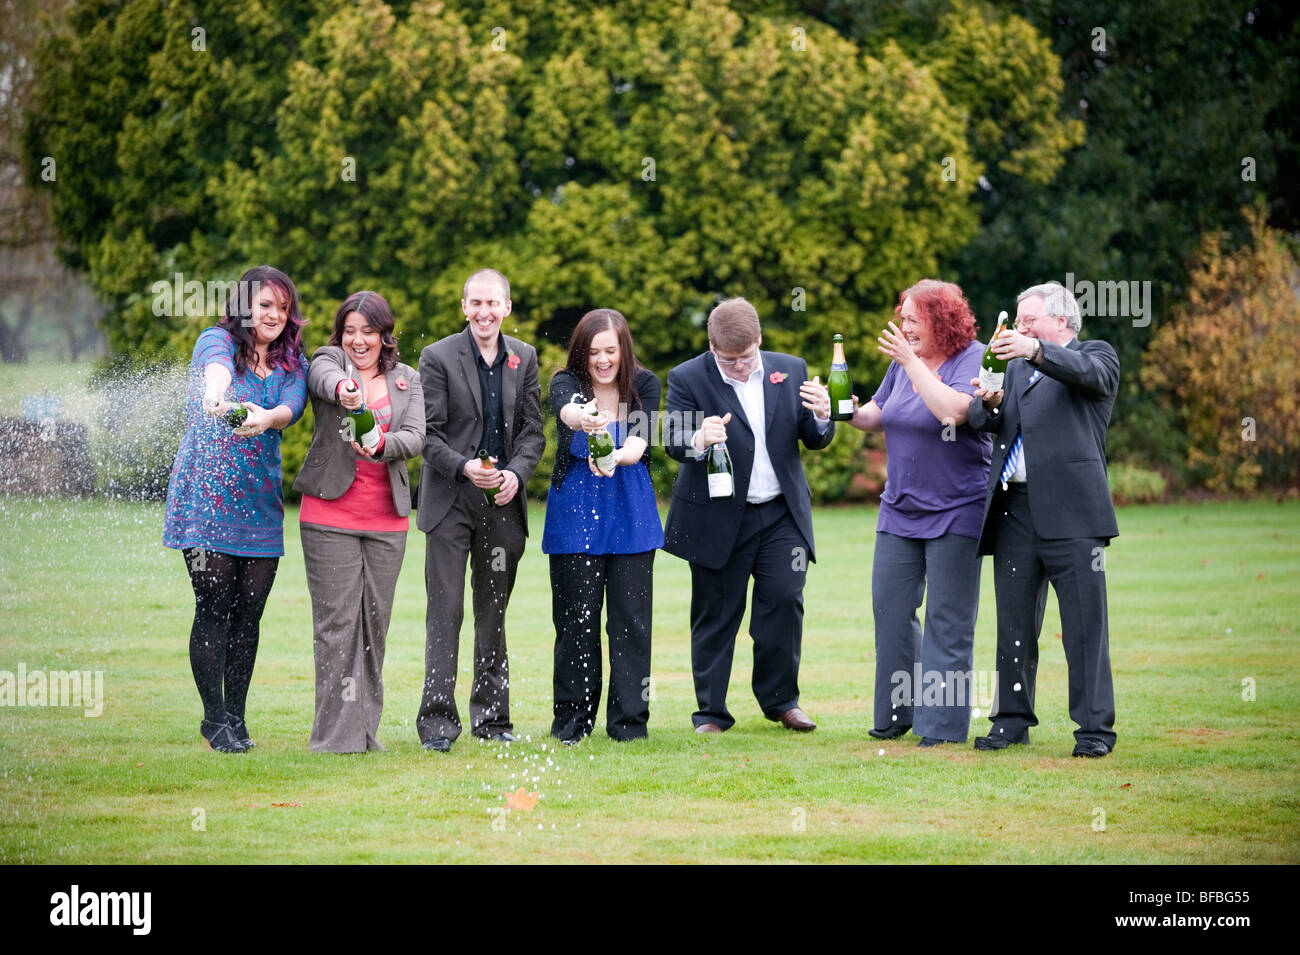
[
  {"x": 521, "y": 801},
  {"x": 1125, "y": 785},
  {"x": 286, "y": 805}
]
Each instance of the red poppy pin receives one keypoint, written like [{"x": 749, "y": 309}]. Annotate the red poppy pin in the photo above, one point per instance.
[
  {"x": 401, "y": 384},
  {"x": 512, "y": 361},
  {"x": 777, "y": 377}
]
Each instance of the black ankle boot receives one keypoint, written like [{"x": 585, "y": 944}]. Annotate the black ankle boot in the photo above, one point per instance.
[
  {"x": 221, "y": 738},
  {"x": 240, "y": 729}
]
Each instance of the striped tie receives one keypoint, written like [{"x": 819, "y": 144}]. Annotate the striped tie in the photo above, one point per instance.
[{"x": 1017, "y": 446}]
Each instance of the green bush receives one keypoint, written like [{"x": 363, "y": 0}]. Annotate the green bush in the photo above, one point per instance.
[
  {"x": 852, "y": 468},
  {"x": 1130, "y": 484}
]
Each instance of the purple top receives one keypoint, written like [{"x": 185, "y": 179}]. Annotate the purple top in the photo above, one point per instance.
[
  {"x": 934, "y": 487},
  {"x": 225, "y": 493}
]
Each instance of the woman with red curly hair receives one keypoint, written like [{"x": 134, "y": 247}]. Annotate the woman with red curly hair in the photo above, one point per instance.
[{"x": 930, "y": 516}]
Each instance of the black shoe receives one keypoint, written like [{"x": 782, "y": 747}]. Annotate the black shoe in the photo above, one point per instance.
[
  {"x": 901, "y": 729},
  {"x": 996, "y": 741},
  {"x": 502, "y": 737},
  {"x": 931, "y": 741},
  {"x": 439, "y": 744},
  {"x": 1092, "y": 748},
  {"x": 240, "y": 729},
  {"x": 221, "y": 738}
]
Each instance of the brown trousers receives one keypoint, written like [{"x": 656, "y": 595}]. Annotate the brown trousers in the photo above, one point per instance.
[{"x": 352, "y": 575}]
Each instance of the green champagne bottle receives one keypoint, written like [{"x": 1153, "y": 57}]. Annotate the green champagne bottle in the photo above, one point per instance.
[
  {"x": 362, "y": 422},
  {"x": 600, "y": 445},
  {"x": 839, "y": 384},
  {"x": 717, "y": 463},
  {"x": 992, "y": 368},
  {"x": 237, "y": 415},
  {"x": 485, "y": 462}
]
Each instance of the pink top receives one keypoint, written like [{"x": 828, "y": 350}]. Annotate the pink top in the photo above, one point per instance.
[{"x": 368, "y": 504}]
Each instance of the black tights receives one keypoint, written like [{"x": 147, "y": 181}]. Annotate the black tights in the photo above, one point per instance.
[{"x": 229, "y": 595}]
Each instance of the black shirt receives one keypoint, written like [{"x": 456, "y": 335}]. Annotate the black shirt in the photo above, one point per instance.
[{"x": 490, "y": 380}]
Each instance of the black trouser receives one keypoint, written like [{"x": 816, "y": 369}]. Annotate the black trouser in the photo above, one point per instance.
[
  {"x": 769, "y": 548},
  {"x": 580, "y": 584},
  {"x": 492, "y": 539},
  {"x": 1023, "y": 565},
  {"x": 229, "y": 595}
]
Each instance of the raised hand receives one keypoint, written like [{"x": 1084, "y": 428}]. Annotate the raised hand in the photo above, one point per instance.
[{"x": 816, "y": 397}]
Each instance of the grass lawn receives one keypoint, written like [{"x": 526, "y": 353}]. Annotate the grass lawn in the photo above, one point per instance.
[{"x": 1202, "y": 598}]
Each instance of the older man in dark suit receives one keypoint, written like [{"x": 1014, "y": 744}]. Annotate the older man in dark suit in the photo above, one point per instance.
[
  {"x": 761, "y": 405},
  {"x": 480, "y": 392},
  {"x": 1048, "y": 514}
]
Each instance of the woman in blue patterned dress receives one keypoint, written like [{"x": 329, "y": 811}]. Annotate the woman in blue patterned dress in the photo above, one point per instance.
[
  {"x": 225, "y": 507},
  {"x": 602, "y": 530}
]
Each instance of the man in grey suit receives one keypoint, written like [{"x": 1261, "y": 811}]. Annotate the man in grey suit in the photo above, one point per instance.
[
  {"x": 1048, "y": 514},
  {"x": 480, "y": 393}
]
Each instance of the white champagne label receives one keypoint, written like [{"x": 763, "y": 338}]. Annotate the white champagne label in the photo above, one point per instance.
[
  {"x": 846, "y": 406},
  {"x": 720, "y": 485},
  {"x": 991, "y": 380},
  {"x": 606, "y": 463},
  {"x": 370, "y": 440}
]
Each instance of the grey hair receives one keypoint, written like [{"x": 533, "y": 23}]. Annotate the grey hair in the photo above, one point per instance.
[{"x": 1058, "y": 302}]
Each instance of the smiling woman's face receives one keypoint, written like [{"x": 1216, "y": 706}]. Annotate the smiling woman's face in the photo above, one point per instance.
[
  {"x": 270, "y": 313},
  {"x": 915, "y": 328},
  {"x": 361, "y": 342},
  {"x": 603, "y": 358}
]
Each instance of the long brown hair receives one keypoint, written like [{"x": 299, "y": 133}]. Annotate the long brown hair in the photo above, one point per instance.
[
  {"x": 286, "y": 351},
  {"x": 588, "y": 327},
  {"x": 374, "y": 309}
]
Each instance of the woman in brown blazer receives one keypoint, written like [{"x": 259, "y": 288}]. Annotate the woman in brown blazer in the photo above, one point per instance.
[{"x": 355, "y": 511}]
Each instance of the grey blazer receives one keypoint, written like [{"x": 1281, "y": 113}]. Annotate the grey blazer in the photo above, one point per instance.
[
  {"x": 331, "y": 463},
  {"x": 454, "y": 421}
]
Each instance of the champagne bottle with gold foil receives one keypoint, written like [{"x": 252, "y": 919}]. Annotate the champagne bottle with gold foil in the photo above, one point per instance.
[{"x": 839, "y": 383}]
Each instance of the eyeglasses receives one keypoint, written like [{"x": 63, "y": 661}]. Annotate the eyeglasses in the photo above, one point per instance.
[
  {"x": 1027, "y": 320},
  {"x": 737, "y": 362}
]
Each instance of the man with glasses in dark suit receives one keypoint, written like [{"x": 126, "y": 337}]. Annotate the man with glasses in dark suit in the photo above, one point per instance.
[
  {"x": 1048, "y": 515},
  {"x": 762, "y": 405}
]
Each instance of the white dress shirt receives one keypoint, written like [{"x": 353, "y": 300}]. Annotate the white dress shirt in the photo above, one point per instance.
[{"x": 763, "y": 483}]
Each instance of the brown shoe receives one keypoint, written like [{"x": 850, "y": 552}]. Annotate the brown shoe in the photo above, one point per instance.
[
  {"x": 796, "y": 719},
  {"x": 708, "y": 728}
]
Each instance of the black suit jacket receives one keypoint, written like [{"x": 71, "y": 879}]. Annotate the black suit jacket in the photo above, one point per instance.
[
  {"x": 1064, "y": 416},
  {"x": 701, "y": 530}
]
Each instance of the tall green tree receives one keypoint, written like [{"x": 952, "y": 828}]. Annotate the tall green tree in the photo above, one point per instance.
[{"x": 652, "y": 157}]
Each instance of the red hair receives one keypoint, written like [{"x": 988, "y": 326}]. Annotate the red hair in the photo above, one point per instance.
[{"x": 945, "y": 311}]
